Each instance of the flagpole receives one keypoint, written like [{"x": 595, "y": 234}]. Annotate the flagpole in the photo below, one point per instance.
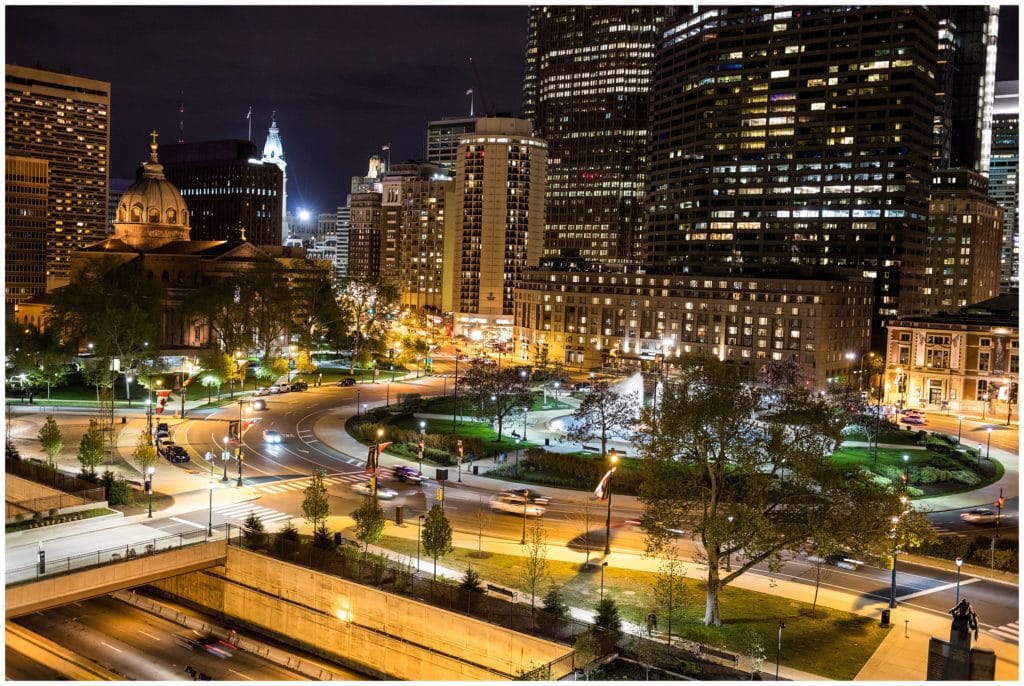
[{"x": 249, "y": 117}]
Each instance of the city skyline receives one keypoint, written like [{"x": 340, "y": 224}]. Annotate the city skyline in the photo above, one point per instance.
[{"x": 360, "y": 95}]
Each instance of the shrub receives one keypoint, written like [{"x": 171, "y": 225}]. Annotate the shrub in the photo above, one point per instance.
[
  {"x": 116, "y": 488},
  {"x": 966, "y": 477}
]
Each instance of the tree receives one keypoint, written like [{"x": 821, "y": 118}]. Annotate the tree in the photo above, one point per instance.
[
  {"x": 482, "y": 517},
  {"x": 366, "y": 305},
  {"x": 90, "y": 450},
  {"x": 315, "y": 508},
  {"x": 218, "y": 367},
  {"x": 497, "y": 393},
  {"x": 587, "y": 651},
  {"x": 582, "y": 520},
  {"x": 471, "y": 585},
  {"x": 253, "y": 530},
  {"x": 437, "y": 535},
  {"x": 554, "y": 602},
  {"x": 669, "y": 589},
  {"x": 369, "y": 519},
  {"x": 51, "y": 439},
  {"x": 303, "y": 363},
  {"x": 144, "y": 453},
  {"x": 272, "y": 370},
  {"x": 607, "y": 625},
  {"x": 706, "y": 455},
  {"x": 535, "y": 568},
  {"x": 604, "y": 413}
]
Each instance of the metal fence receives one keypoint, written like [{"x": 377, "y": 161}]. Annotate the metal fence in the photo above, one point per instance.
[
  {"x": 151, "y": 546},
  {"x": 42, "y": 473},
  {"x": 54, "y": 502}
]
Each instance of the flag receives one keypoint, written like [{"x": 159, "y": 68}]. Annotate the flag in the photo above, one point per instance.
[
  {"x": 602, "y": 488},
  {"x": 385, "y": 147},
  {"x": 249, "y": 115},
  {"x": 373, "y": 455},
  {"x": 469, "y": 92}
]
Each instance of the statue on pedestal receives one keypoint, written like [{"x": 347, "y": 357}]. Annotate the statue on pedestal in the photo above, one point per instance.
[{"x": 964, "y": 620}]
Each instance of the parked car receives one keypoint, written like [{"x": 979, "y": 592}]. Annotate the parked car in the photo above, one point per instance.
[
  {"x": 162, "y": 426},
  {"x": 271, "y": 436},
  {"x": 363, "y": 488},
  {"x": 263, "y": 390},
  {"x": 515, "y": 505},
  {"x": 279, "y": 388},
  {"x": 177, "y": 455},
  {"x": 163, "y": 445},
  {"x": 913, "y": 419},
  {"x": 582, "y": 386},
  {"x": 409, "y": 474},
  {"x": 161, "y": 433},
  {"x": 347, "y": 381},
  {"x": 979, "y": 515},
  {"x": 298, "y": 386},
  {"x": 259, "y": 404}
]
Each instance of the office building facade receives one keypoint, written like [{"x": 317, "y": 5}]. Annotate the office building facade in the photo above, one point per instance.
[
  {"x": 964, "y": 242},
  {"x": 795, "y": 137},
  {"x": 443, "y": 138},
  {"x": 26, "y": 193},
  {"x": 1003, "y": 177},
  {"x": 227, "y": 189},
  {"x": 587, "y": 92},
  {"x": 64, "y": 120}
]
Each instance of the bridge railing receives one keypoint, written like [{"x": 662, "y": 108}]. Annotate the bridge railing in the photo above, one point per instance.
[{"x": 150, "y": 546}]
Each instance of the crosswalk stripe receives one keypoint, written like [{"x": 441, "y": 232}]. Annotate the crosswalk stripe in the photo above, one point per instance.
[
  {"x": 185, "y": 521},
  {"x": 276, "y": 518},
  {"x": 1010, "y": 636}
]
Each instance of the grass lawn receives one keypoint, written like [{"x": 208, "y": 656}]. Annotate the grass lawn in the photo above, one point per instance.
[
  {"x": 830, "y": 643},
  {"x": 890, "y": 435},
  {"x": 446, "y": 404},
  {"x": 467, "y": 429},
  {"x": 850, "y": 457}
]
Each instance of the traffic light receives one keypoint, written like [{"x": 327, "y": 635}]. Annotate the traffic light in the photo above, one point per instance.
[
  {"x": 999, "y": 502},
  {"x": 440, "y": 494},
  {"x": 460, "y": 448},
  {"x": 233, "y": 426}
]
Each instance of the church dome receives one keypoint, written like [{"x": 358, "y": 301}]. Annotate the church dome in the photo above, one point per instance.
[{"x": 152, "y": 199}]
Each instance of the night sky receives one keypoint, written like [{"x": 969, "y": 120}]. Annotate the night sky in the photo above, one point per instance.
[{"x": 345, "y": 80}]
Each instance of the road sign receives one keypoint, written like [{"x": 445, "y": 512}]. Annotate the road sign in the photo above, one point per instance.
[{"x": 208, "y": 456}]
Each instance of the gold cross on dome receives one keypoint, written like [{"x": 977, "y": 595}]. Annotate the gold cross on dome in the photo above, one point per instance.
[{"x": 153, "y": 134}]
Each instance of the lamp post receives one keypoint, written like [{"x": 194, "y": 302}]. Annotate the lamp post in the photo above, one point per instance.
[
  {"x": 1009, "y": 399},
  {"x": 419, "y": 539},
  {"x": 959, "y": 427},
  {"x": 524, "y": 375},
  {"x": 423, "y": 429},
  {"x": 959, "y": 563},
  {"x": 387, "y": 401},
  {"x": 984, "y": 405},
  {"x": 603, "y": 565},
  {"x": 455, "y": 390},
  {"x": 778, "y": 649},
  {"x": 906, "y": 472},
  {"x": 526, "y": 501},
  {"x": 614, "y": 459},
  {"x": 224, "y": 456},
  {"x": 365, "y": 407},
  {"x": 358, "y": 394},
  {"x": 728, "y": 557},
  {"x": 209, "y": 525},
  {"x": 182, "y": 386},
  {"x": 517, "y": 457},
  {"x": 373, "y": 476},
  {"x": 988, "y": 448},
  {"x": 238, "y": 483},
  {"x": 149, "y": 487}
]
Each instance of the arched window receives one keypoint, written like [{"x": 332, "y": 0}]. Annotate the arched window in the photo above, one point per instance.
[
  {"x": 121, "y": 213},
  {"x": 165, "y": 277},
  {"x": 136, "y": 213},
  {"x": 172, "y": 216},
  {"x": 154, "y": 215},
  {"x": 184, "y": 217}
]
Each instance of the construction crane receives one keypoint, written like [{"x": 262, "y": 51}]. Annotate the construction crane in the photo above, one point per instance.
[{"x": 480, "y": 90}]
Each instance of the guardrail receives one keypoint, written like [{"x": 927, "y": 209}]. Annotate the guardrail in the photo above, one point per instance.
[{"x": 151, "y": 546}]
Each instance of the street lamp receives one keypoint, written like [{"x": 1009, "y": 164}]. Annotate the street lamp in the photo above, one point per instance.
[
  {"x": 517, "y": 457},
  {"x": 365, "y": 406},
  {"x": 778, "y": 649},
  {"x": 959, "y": 427},
  {"x": 373, "y": 476},
  {"x": 455, "y": 390},
  {"x": 959, "y": 563},
  {"x": 603, "y": 565},
  {"x": 728, "y": 558},
  {"x": 523, "y": 374},
  {"x": 906, "y": 472},
  {"x": 209, "y": 525},
  {"x": 358, "y": 394},
  {"x": 614, "y": 459},
  {"x": 423, "y": 429},
  {"x": 128, "y": 389},
  {"x": 419, "y": 525},
  {"x": 988, "y": 448},
  {"x": 387, "y": 401},
  {"x": 224, "y": 456},
  {"x": 526, "y": 501},
  {"x": 149, "y": 487}
]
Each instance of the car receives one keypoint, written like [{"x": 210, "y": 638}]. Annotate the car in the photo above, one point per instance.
[
  {"x": 363, "y": 488},
  {"x": 211, "y": 644},
  {"x": 840, "y": 560},
  {"x": 263, "y": 390},
  {"x": 162, "y": 426},
  {"x": 271, "y": 436},
  {"x": 347, "y": 381},
  {"x": 164, "y": 445},
  {"x": 979, "y": 515},
  {"x": 298, "y": 386},
  {"x": 515, "y": 505},
  {"x": 405, "y": 473},
  {"x": 177, "y": 455},
  {"x": 912, "y": 419},
  {"x": 531, "y": 496},
  {"x": 280, "y": 388},
  {"x": 161, "y": 433},
  {"x": 582, "y": 386},
  {"x": 259, "y": 404}
]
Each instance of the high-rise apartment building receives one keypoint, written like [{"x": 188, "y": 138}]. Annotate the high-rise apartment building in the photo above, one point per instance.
[
  {"x": 227, "y": 189},
  {"x": 416, "y": 196},
  {"x": 964, "y": 242},
  {"x": 499, "y": 214},
  {"x": 443, "y": 138},
  {"x": 795, "y": 138},
  {"x": 64, "y": 120},
  {"x": 341, "y": 261},
  {"x": 587, "y": 90},
  {"x": 1003, "y": 177},
  {"x": 965, "y": 85},
  {"x": 365, "y": 221},
  {"x": 26, "y": 184}
]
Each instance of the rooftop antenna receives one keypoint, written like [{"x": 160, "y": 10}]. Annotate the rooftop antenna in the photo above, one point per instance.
[
  {"x": 480, "y": 89},
  {"x": 470, "y": 94},
  {"x": 249, "y": 117},
  {"x": 181, "y": 117}
]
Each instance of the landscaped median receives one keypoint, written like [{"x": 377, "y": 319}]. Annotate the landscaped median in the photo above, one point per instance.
[{"x": 830, "y": 643}]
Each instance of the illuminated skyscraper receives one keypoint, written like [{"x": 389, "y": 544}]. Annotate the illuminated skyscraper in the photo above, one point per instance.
[
  {"x": 443, "y": 138},
  {"x": 586, "y": 90},
  {"x": 25, "y": 195},
  {"x": 795, "y": 138},
  {"x": 1003, "y": 177},
  {"x": 64, "y": 120}
]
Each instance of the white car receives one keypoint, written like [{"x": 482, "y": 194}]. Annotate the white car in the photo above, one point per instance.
[
  {"x": 363, "y": 488},
  {"x": 514, "y": 505},
  {"x": 271, "y": 436},
  {"x": 979, "y": 515}
]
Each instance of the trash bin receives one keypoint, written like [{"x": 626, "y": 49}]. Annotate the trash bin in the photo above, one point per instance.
[
  {"x": 476, "y": 469},
  {"x": 124, "y": 420},
  {"x": 337, "y": 538},
  {"x": 547, "y": 441},
  {"x": 885, "y": 617},
  {"x": 399, "y": 515}
]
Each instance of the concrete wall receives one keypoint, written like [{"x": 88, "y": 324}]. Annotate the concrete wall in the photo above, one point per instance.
[
  {"x": 393, "y": 636},
  {"x": 53, "y": 591}
]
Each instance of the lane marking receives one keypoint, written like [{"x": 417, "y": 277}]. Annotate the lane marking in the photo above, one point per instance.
[
  {"x": 102, "y": 643},
  {"x": 936, "y": 589},
  {"x": 185, "y": 521},
  {"x": 155, "y": 638},
  {"x": 240, "y": 674}
]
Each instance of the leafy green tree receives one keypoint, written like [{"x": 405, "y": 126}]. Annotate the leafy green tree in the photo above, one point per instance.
[
  {"x": 253, "y": 530},
  {"x": 607, "y": 625},
  {"x": 366, "y": 306},
  {"x": 303, "y": 363},
  {"x": 315, "y": 306},
  {"x": 90, "y": 449},
  {"x": 315, "y": 507},
  {"x": 51, "y": 439},
  {"x": 706, "y": 455},
  {"x": 534, "y": 568},
  {"x": 116, "y": 489},
  {"x": 144, "y": 453},
  {"x": 218, "y": 368},
  {"x": 497, "y": 393},
  {"x": 437, "y": 535},
  {"x": 669, "y": 589},
  {"x": 369, "y": 519},
  {"x": 604, "y": 413},
  {"x": 471, "y": 585},
  {"x": 554, "y": 602}
]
